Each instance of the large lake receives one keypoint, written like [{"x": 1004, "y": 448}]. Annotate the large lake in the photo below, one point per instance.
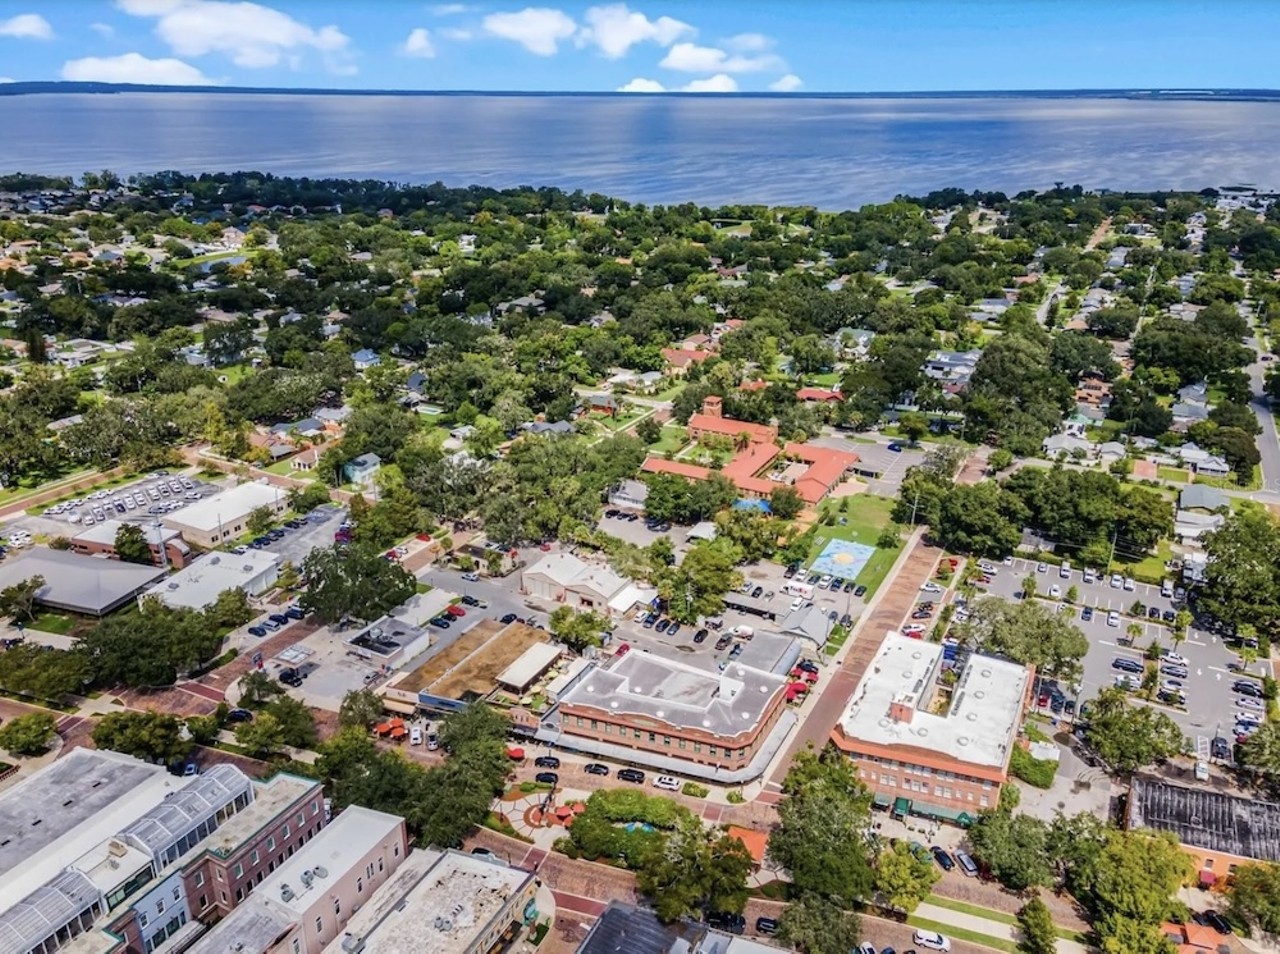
[{"x": 829, "y": 152}]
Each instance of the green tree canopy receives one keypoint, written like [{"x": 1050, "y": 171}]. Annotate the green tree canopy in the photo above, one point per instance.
[
  {"x": 1013, "y": 847},
  {"x": 150, "y": 736},
  {"x": 30, "y": 734},
  {"x": 902, "y": 879},
  {"x": 575, "y": 629},
  {"x": 131, "y": 544},
  {"x": 816, "y": 925},
  {"x": 1027, "y": 632},
  {"x": 356, "y": 582},
  {"x": 1129, "y": 736}
]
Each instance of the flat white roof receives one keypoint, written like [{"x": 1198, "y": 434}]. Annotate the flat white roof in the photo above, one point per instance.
[
  {"x": 225, "y": 508},
  {"x": 198, "y": 584},
  {"x": 435, "y": 904},
  {"x": 980, "y": 725},
  {"x": 67, "y": 809},
  {"x": 105, "y": 533},
  {"x": 531, "y": 664}
]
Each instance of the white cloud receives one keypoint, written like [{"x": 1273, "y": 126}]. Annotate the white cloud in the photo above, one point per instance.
[
  {"x": 538, "y": 29},
  {"x": 786, "y": 84},
  {"x": 133, "y": 68},
  {"x": 103, "y": 29},
  {"x": 749, "y": 43},
  {"x": 615, "y": 29},
  {"x": 691, "y": 58},
  {"x": 28, "y": 26},
  {"x": 642, "y": 85},
  {"x": 419, "y": 44},
  {"x": 455, "y": 33},
  {"x": 720, "y": 83},
  {"x": 450, "y": 9},
  {"x": 250, "y": 34}
]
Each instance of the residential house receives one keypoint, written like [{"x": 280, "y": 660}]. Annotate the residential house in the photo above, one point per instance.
[
  {"x": 952, "y": 368},
  {"x": 852, "y": 343},
  {"x": 1201, "y": 461},
  {"x": 1093, "y": 390},
  {"x": 602, "y": 404},
  {"x": 679, "y": 360},
  {"x": 362, "y": 470},
  {"x": 1060, "y": 446},
  {"x": 1201, "y": 497},
  {"x": 365, "y": 359},
  {"x": 309, "y": 428},
  {"x": 556, "y": 428},
  {"x": 526, "y": 303},
  {"x": 306, "y": 461}
]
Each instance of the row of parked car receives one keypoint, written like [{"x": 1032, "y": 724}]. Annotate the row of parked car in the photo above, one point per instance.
[{"x": 277, "y": 621}]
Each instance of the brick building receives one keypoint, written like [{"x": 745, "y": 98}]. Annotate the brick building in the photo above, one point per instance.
[
  {"x": 929, "y": 745},
  {"x": 657, "y": 705}
]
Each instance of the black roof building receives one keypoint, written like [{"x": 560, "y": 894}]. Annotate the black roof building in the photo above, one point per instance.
[{"x": 1205, "y": 819}]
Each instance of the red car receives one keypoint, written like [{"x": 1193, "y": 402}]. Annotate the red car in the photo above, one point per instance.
[
  {"x": 544, "y": 547},
  {"x": 623, "y": 649},
  {"x": 455, "y": 611}
]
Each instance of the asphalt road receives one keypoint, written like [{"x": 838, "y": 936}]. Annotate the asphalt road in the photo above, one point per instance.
[
  {"x": 1210, "y": 706},
  {"x": 1269, "y": 440}
]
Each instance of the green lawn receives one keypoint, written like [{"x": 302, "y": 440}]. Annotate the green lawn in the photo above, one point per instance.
[
  {"x": 234, "y": 373},
  {"x": 1151, "y": 568},
  {"x": 865, "y": 518},
  {"x": 673, "y": 438},
  {"x": 670, "y": 393},
  {"x": 1173, "y": 473},
  {"x": 1230, "y": 483},
  {"x": 51, "y": 622},
  {"x": 283, "y": 468},
  {"x": 829, "y": 380}
]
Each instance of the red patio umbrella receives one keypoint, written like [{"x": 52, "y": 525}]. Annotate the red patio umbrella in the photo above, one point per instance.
[
  {"x": 563, "y": 811},
  {"x": 515, "y": 754}
]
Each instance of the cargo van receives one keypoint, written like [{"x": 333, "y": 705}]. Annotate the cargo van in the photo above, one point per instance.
[
  {"x": 796, "y": 588},
  {"x": 1166, "y": 589}
]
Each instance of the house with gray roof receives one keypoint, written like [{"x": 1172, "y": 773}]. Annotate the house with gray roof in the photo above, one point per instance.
[{"x": 1202, "y": 497}]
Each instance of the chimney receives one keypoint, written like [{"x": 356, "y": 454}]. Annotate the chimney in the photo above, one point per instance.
[
  {"x": 713, "y": 406},
  {"x": 901, "y": 711}
]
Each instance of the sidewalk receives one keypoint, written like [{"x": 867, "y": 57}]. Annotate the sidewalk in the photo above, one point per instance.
[{"x": 983, "y": 926}]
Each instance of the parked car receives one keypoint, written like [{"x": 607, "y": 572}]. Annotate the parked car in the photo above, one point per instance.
[
  {"x": 943, "y": 859},
  {"x": 471, "y": 577},
  {"x": 666, "y": 783},
  {"x": 1124, "y": 664},
  {"x": 596, "y": 768},
  {"x": 931, "y": 940},
  {"x": 280, "y": 618},
  {"x": 700, "y": 636},
  {"x": 508, "y": 618},
  {"x": 415, "y": 735},
  {"x": 295, "y": 613},
  {"x": 455, "y": 610},
  {"x": 257, "y": 631},
  {"x": 673, "y": 628},
  {"x": 270, "y": 624},
  {"x": 1086, "y": 614},
  {"x": 631, "y": 775},
  {"x": 239, "y": 715},
  {"x": 547, "y": 778},
  {"x": 767, "y": 926},
  {"x": 859, "y": 590},
  {"x": 547, "y": 762},
  {"x": 662, "y": 625}
]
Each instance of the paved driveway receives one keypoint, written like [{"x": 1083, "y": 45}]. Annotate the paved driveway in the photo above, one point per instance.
[{"x": 1210, "y": 703}]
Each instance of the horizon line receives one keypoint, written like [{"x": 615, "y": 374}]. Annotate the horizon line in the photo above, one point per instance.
[{"x": 35, "y": 87}]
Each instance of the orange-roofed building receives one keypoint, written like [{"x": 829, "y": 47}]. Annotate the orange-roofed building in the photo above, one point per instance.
[
  {"x": 756, "y": 842},
  {"x": 826, "y": 469},
  {"x": 824, "y": 395},
  {"x": 711, "y": 420},
  {"x": 1191, "y": 938},
  {"x": 757, "y": 385},
  {"x": 680, "y": 358}
]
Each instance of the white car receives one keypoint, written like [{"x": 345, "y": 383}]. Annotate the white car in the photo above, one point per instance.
[
  {"x": 825, "y": 581},
  {"x": 931, "y": 587},
  {"x": 471, "y": 577},
  {"x": 1172, "y": 658},
  {"x": 1248, "y": 702},
  {"x": 1117, "y": 581},
  {"x": 1090, "y": 576},
  {"x": 666, "y": 783},
  {"x": 1055, "y": 592},
  {"x": 987, "y": 568},
  {"x": 415, "y": 735},
  {"x": 1113, "y": 618},
  {"x": 1129, "y": 584},
  {"x": 1007, "y": 561},
  {"x": 1128, "y": 681},
  {"x": 1042, "y": 568},
  {"x": 931, "y": 941},
  {"x": 912, "y": 629}
]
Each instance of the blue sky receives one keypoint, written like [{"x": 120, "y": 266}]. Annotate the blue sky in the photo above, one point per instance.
[{"x": 648, "y": 45}]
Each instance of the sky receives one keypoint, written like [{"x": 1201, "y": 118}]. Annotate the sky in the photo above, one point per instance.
[{"x": 648, "y": 46}]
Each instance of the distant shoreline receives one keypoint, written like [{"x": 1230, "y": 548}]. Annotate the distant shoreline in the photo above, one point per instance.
[{"x": 1153, "y": 95}]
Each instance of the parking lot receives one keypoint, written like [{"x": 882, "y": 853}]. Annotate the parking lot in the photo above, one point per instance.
[
  {"x": 317, "y": 530},
  {"x": 876, "y": 457},
  {"x": 1210, "y": 708}
]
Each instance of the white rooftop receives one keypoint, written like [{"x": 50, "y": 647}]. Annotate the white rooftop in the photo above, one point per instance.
[
  {"x": 531, "y": 664},
  {"x": 654, "y": 687},
  {"x": 225, "y": 508},
  {"x": 67, "y": 809},
  {"x": 105, "y": 533},
  {"x": 198, "y": 584},
  {"x": 980, "y": 725},
  {"x": 255, "y": 925},
  {"x": 435, "y": 904}
]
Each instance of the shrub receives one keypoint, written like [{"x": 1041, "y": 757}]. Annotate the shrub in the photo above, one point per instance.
[
  {"x": 736, "y": 797},
  {"x": 1033, "y": 771},
  {"x": 694, "y": 790}
]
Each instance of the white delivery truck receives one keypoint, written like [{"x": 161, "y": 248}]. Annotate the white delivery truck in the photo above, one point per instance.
[{"x": 794, "y": 588}]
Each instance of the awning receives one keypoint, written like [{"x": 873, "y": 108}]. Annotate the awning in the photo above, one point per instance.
[
  {"x": 881, "y": 801},
  {"x": 956, "y": 816},
  {"x": 901, "y": 806},
  {"x": 1207, "y": 878}
]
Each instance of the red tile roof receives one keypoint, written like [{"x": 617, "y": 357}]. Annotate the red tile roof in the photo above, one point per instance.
[
  {"x": 756, "y": 385},
  {"x": 817, "y": 394},
  {"x": 682, "y": 358},
  {"x": 756, "y": 433},
  {"x": 826, "y": 468}
]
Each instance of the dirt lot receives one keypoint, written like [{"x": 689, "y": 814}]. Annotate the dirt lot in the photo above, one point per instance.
[
  {"x": 478, "y": 675},
  {"x": 439, "y": 664}
]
